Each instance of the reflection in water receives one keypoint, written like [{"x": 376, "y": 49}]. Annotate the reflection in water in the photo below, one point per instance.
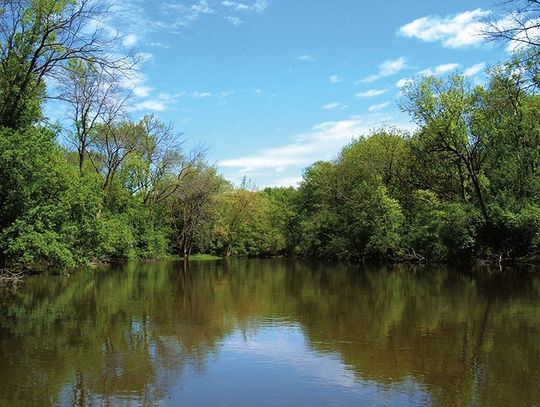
[{"x": 271, "y": 332}]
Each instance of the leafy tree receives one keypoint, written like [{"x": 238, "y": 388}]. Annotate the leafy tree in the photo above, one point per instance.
[
  {"x": 38, "y": 39},
  {"x": 451, "y": 127}
]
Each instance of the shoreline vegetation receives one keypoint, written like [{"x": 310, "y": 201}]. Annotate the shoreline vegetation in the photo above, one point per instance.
[{"x": 464, "y": 187}]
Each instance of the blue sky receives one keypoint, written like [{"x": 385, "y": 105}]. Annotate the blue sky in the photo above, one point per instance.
[{"x": 270, "y": 86}]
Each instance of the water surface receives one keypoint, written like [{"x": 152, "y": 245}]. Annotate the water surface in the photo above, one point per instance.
[{"x": 271, "y": 333}]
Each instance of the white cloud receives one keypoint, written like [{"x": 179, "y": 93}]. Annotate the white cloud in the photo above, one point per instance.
[
  {"x": 370, "y": 93},
  {"x": 452, "y": 31},
  {"x": 379, "y": 107},
  {"x": 369, "y": 79},
  {"x": 130, "y": 40},
  {"x": 391, "y": 67},
  {"x": 233, "y": 20},
  {"x": 475, "y": 69},
  {"x": 333, "y": 105},
  {"x": 306, "y": 58},
  {"x": 158, "y": 44},
  {"x": 318, "y": 143},
  {"x": 321, "y": 142},
  {"x": 184, "y": 14},
  {"x": 197, "y": 94},
  {"x": 440, "y": 69},
  {"x": 403, "y": 82},
  {"x": 257, "y": 7},
  {"x": 387, "y": 68},
  {"x": 128, "y": 16},
  {"x": 142, "y": 91},
  {"x": 148, "y": 105},
  {"x": 335, "y": 79},
  {"x": 157, "y": 104}
]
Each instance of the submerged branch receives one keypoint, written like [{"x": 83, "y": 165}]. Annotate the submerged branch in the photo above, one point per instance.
[{"x": 10, "y": 279}]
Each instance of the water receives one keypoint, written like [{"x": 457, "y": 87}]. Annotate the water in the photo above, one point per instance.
[{"x": 271, "y": 333}]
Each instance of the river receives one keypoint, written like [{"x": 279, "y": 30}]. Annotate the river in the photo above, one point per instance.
[{"x": 271, "y": 333}]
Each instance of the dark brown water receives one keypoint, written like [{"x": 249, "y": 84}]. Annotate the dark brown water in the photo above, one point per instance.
[{"x": 271, "y": 333}]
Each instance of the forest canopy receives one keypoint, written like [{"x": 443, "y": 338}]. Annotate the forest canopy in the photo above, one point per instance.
[{"x": 465, "y": 185}]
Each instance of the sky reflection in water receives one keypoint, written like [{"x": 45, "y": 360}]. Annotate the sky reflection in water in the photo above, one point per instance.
[{"x": 271, "y": 332}]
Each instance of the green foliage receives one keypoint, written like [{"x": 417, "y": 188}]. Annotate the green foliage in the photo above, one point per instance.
[
  {"x": 284, "y": 216},
  {"x": 465, "y": 184},
  {"x": 458, "y": 231},
  {"x": 36, "y": 220},
  {"x": 244, "y": 225},
  {"x": 422, "y": 230},
  {"x": 116, "y": 238},
  {"x": 518, "y": 233}
]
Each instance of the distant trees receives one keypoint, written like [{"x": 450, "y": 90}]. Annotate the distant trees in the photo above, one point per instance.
[{"x": 193, "y": 208}]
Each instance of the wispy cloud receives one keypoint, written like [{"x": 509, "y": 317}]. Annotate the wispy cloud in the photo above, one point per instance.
[
  {"x": 148, "y": 105},
  {"x": 129, "y": 18},
  {"x": 335, "y": 79},
  {"x": 475, "y": 69},
  {"x": 440, "y": 69},
  {"x": 370, "y": 93},
  {"x": 321, "y": 142},
  {"x": 387, "y": 68},
  {"x": 236, "y": 21},
  {"x": 198, "y": 95},
  {"x": 158, "y": 44},
  {"x": 306, "y": 58},
  {"x": 205, "y": 94},
  {"x": 333, "y": 105},
  {"x": 403, "y": 82},
  {"x": 379, "y": 107},
  {"x": 142, "y": 91},
  {"x": 452, "y": 31},
  {"x": 257, "y": 7},
  {"x": 305, "y": 149},
  {"x": 391, "y": 67},
  {"x": 130, "y": 40},
  {"x": 184, "y": 14},
  {"x": 159, "y": 103}
]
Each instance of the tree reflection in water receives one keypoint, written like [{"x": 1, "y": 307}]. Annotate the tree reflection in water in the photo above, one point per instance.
[{"x": 155, "y": 333}]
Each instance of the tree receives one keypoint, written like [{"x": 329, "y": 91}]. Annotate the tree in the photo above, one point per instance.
[
  {"x": 383, "y": 156},
  {"x": 519, "y": 24},
  {"x": 38, "y": 40},
  {"x": 239, "y": 209},
  {"x": 47, "y": 214},
  {"x": 112, "y": 144},
  {"x": 193, "y": 209},
  {"x": 451, "y": 127},
  {"x": 94, "y": 96},
  {"x": 285, "y": 216},
  {"x": 159, "y": 166}
]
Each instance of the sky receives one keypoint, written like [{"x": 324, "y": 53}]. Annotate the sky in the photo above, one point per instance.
[{"x": 271, "y": 86}]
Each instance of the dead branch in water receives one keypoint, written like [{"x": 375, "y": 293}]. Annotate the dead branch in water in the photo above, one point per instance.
[{"x": 10, "y": 279}]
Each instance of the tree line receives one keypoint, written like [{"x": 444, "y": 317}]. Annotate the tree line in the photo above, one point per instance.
[{"x": 464, "y": 185}]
